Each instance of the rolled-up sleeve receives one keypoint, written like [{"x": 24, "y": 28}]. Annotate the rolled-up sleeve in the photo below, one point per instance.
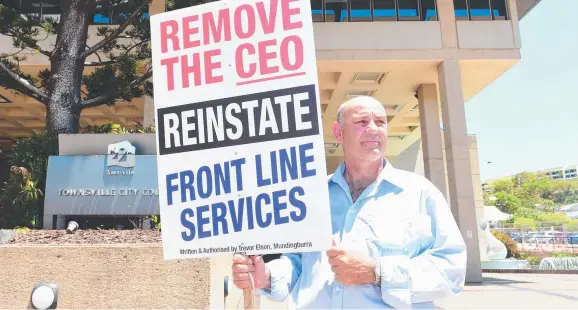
[
  {"x": 285, "y": 272},
  {"x": 438, "y": 271}
]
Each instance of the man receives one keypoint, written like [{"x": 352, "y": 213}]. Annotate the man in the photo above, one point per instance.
[{"x": 396, "y": 243}]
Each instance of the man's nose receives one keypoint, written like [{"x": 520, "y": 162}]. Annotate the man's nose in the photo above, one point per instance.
[{"x": 372, "y": 127}]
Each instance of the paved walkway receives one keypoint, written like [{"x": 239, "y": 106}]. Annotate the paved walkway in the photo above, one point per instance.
[
  {"x": 499, "y": 291},
  {"x": 518, "y": 291}
]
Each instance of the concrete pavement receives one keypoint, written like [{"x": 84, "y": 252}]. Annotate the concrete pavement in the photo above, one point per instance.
[
  {"x": 518, "y": 291},
  {"x": 498, "y": 291}
]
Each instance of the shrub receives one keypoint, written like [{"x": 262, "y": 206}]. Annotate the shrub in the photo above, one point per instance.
[
  {"x": 534, "y": 260},
  {"x": 527, "y": 223},
  {"x": 564, "y": 254},
  {"x": 113, "y": 128},
  {"x": 534, "y": 257},
  {"x": 22, "y": 197},
  {"x": 510, "y": 244}
]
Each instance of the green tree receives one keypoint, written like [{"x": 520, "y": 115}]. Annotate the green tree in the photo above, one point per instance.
[
  {"x": 527, "y": 211},
  {"x": 531, "y": 186},
  {"x": 122, "y": 71},
  {"x": 507, "y": 203},
  {"x": 505, "y": 185},
  {"x": 548, "y": 205},
  {"x": 564, "y": 191},
  {"x": 521, "y": 194},
  {"x": 555, "y": 219}
]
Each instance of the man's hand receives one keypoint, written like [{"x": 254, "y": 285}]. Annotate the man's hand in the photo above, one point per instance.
[
  {"x": 351, "y": 268},
  {"x": 254, "y": 265}
]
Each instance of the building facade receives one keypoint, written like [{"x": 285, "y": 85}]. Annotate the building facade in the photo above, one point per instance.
[
  {"x": 568, "y": 172},
  {"x": 561, "y": 173},
  {"x": 423, "y": 59}
]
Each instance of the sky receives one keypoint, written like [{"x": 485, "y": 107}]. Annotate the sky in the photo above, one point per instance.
[{"x": 527, "y": 119}]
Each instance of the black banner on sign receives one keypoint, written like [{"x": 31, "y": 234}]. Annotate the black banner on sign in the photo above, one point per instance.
[{"x": 259, "y": 117}]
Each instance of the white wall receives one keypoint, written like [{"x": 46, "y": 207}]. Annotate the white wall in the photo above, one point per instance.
[
  {"x": 486, "y": 34},
  {"x": 410, "y": 160},
  {"x": 377, "y": 35}
]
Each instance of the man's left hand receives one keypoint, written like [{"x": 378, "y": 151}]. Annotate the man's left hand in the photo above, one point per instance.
[{"x": 351, "y": 268}]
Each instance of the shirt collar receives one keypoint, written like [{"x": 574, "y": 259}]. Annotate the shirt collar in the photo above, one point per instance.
[{"x": 388, "y": 174}]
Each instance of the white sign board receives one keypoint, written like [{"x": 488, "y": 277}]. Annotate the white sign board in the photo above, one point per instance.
[{"x": 241, "y": 159}]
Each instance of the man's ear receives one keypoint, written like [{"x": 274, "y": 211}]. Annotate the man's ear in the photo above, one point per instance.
[{"x": 338, "y": 132}]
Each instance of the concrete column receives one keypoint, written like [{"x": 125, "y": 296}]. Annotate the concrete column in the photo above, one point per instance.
[
  {"x": 433, "y": 157},
  {"x": 478, "y": 194},
  {"x": 447, "y": 20},
  {"x": 149, "y": 111},
  {"x": 156, "y": 7},
  {"x": 515, "y": 20},
  {"x": 460, "y": 185}
]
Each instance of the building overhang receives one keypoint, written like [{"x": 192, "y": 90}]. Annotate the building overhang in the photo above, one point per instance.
[
  {"x": 405, "y": 56},
  {"x": 525, "y": 6}
]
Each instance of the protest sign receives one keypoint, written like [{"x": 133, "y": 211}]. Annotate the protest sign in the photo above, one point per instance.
[{"x": 241, "y": 159}]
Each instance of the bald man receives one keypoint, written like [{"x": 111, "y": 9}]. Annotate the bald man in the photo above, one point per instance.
[{"x": 396, "y": 244}]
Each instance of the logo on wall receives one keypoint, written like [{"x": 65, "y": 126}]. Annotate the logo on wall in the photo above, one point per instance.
[{"x": 121, "y": 154}]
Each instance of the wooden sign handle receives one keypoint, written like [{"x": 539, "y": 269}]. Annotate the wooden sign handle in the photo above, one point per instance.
[{"x": 249, "y": 298}]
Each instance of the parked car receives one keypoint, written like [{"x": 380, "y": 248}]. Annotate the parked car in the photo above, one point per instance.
[
  {"x": 573, "y": 238},
  {"x": 516, "y": 236}
]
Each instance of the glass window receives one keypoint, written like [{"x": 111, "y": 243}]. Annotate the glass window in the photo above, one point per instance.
[
  {"x": 360, "y": 11},
  {"x": 499, "y": 9},
  {"x": 480, "y": 10},
  {"x": 115, "y": 14},
  {"x": 51, "y": 9},
  {"x": 335, "y": 10},
  {"x": 14, "y": 4},
  {"x": 374, "y": 10},
  {"x": 408, "y": 9},
  {"x": 428, "y": 10},
  {"x": 36, "y": 9},
  {"x": 384, "y": 10},
  {"x": 32, "y": 9},
  {"x": 461, "y": 9},
  {"x": 317, "y": 10},
  {"x": 102, "y": 16}
]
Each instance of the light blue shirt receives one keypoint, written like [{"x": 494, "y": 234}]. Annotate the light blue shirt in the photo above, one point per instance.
[{"x": 403, "y": 221}]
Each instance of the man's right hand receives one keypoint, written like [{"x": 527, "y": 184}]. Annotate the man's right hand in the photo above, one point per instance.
[{"x": 254, "y": 265}]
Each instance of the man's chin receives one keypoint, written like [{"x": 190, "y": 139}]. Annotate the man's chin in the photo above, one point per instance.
[
  {"x": 374, "y": 152},
  {"x": 374, "y": 147},
  {"x": 371, "y": 145}
]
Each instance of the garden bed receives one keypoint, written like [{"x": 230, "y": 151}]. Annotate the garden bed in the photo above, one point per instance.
[{"x": 60, "y": 237}]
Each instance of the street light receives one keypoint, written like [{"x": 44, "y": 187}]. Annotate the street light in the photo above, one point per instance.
[
  {"x": 44, "y": 296},
  {"x": 72, "y": 226}
]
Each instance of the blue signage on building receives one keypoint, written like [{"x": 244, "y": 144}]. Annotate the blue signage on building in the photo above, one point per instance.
[{"x": 119, "y": 183}]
